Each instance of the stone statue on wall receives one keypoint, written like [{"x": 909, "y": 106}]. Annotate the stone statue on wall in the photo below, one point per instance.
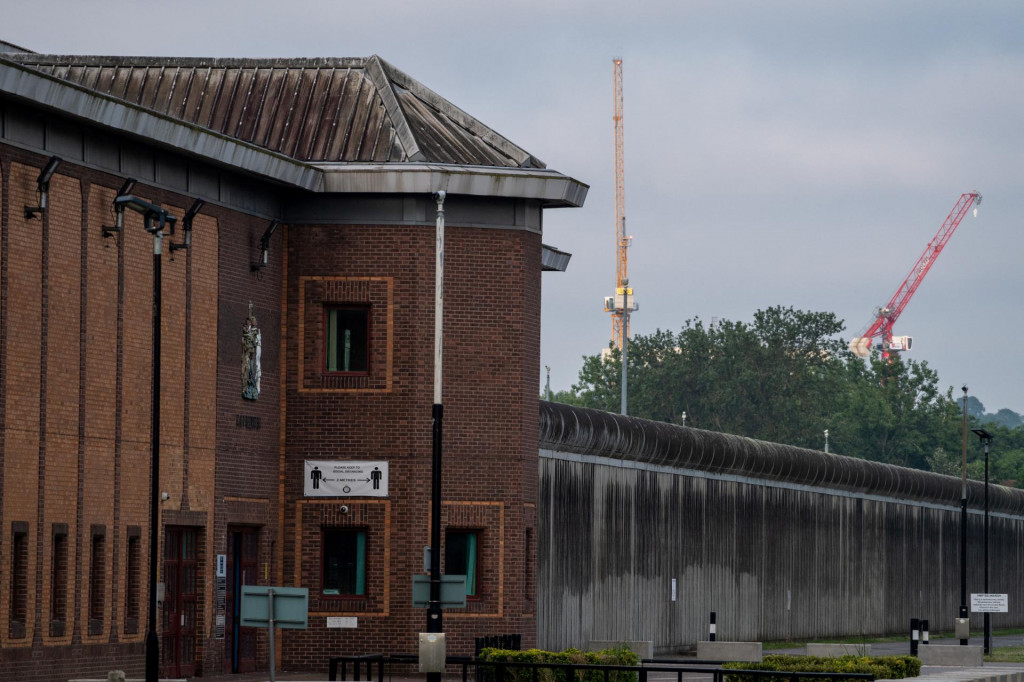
[{"x": 252, "y": 347}]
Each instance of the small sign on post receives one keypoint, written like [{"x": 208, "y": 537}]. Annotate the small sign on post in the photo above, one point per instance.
[
  {"x": 990, "y": 603},
  {"x": 274, "y": 607}
]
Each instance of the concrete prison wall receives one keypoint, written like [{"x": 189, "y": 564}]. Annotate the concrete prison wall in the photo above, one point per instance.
[{"x": 645, "y": 528}]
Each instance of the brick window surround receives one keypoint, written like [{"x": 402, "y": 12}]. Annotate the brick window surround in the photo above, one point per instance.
[
  {"x": 320, "y": 295},
  {"x": 315, "y": 518}
]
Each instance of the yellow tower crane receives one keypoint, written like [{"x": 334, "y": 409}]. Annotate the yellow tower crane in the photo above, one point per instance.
[{"x": 622, "y": 303}]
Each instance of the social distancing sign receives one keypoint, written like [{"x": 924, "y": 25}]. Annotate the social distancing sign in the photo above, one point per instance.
[{"x": 345, "y": 479}]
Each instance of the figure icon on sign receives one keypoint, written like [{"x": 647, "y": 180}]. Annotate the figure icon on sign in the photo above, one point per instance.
[
  {"x": 316, "y": 475},
  {"x": 375, "y": 476}
]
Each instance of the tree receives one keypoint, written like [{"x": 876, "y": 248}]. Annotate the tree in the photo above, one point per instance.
[{"x": 771, "y": 379}]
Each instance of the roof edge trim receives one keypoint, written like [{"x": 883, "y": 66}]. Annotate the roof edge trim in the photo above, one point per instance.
[
  {"x": 380, "y": 80},
  {"x": 550, "y": 187},
  {"x": 28, "y": 84}
]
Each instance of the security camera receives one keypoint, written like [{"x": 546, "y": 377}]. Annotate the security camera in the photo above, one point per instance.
[
  {"x": 164, "y": 496},
  {"x": 344, "y": 509}
]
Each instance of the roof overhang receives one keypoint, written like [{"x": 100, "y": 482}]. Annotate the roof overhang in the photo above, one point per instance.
[
  {"x": 29, "y": 85},
  {"x": 550, "y": 188}
]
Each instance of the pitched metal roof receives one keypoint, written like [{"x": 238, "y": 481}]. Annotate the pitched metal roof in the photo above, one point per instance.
[{"x": 313, "y": 110}]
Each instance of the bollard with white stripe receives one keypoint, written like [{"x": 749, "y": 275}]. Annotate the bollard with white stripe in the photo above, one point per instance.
[
  {"x": 924, "y": 632},
  {"x": 915, "y": 626},
  {"x": 711, "y": 628}
]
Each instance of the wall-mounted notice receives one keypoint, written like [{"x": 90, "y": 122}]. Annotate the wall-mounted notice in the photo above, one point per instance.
[
  {"x": 345, "y": 479},
  {"x": 990, "y": 603}
]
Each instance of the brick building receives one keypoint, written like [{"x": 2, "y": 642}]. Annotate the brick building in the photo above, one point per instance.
[{"x": 315, "y": 246}]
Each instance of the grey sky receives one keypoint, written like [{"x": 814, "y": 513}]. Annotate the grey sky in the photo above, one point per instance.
[{"x": 777, "y": 153}]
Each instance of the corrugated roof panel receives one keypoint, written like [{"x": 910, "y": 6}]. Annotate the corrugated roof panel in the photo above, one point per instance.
[
  {"x": 235, "y": 111},
  {"x": 268, "y": 107},
  {"x": 221, "y": 108},
  {"x": 312, "y": 115},
  {"x": 357, "y": 135},
  {"x": 247, "y": 105},
  {"x": 377, "y": 115},
  {"x": 282, "y": 107},
  {"x": 324, "y": 133},
  {"x": 168, "y": 92},
  {"x": 207, "y": 98},
  {"x": 297, "y": 111},
  {"x": 346, "y": 112}
]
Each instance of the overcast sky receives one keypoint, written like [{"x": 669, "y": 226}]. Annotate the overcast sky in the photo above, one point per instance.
[{"x": 776, "y": 153}]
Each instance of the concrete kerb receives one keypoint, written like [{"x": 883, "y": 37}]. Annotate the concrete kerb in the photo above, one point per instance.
[
  {"x": 834, "y": 650},
  {"x": 729, "y": 651},
  {"x": 963, "y": 656}
]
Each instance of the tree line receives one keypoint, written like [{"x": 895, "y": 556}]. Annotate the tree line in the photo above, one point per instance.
[{"x": 787, "y": 377}]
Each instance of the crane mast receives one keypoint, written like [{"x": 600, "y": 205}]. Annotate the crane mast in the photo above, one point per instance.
[
  {"x": 623, "y": 298},
  {"x": 885, "y": 317}
]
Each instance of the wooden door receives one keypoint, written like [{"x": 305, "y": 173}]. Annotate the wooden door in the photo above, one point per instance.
[{"x": 181, "y": 602}]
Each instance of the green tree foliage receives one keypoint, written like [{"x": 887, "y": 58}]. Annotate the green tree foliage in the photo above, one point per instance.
[{"x": 785, "y": 377}]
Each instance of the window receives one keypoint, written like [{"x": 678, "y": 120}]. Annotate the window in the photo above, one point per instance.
[
  {"x": 59, "y": 580},
  {"x": 97, "y": 580},
  {"x": 19, "y": 579},
  {"x": 346, "y": 340},
  {"x": 344, "y": 570},
  {"x": 460, "y": 557},
  {"x": 133, "y": 581}
]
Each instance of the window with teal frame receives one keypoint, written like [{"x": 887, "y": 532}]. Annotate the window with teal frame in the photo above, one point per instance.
[
  {"x": 460, "y": 557},
  {"x": 346, "y": 340},
  {"x": 344, "y": 568}
]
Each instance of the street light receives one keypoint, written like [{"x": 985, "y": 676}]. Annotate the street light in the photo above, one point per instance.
[
  {"x": 155, "y": 220},
  {"x": 986, "y": 438}
]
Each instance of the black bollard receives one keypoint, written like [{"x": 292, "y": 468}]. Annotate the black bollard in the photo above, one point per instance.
[{"x": 915, "y": 626}]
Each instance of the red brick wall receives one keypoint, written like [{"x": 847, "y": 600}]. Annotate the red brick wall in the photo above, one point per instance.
[
  {"x": 75, "y": 387},
  {"x": 491, "y": 366}
]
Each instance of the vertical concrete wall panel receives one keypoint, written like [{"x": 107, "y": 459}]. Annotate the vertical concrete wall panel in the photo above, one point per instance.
[{"x": 796, "y": 558}]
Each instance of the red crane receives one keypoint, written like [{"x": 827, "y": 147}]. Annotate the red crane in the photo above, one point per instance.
[{"x": 886, "y": 316}]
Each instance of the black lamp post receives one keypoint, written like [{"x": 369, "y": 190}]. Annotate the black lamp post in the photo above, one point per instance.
[
  {"x": 155, "y": 220},
  {"x": 986, "y": 438},
  {"x": 964, "y": 614}
]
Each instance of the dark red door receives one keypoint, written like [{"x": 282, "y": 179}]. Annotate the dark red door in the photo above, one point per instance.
[
  {"x": 181, "y": 603},
  {"x": 243, "y": 558}
]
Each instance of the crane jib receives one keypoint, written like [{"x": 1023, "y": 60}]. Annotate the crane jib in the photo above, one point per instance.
[{"x": 886, "y": 316}]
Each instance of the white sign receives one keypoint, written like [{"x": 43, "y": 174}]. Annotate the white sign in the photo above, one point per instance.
[
  {"x": 222, "y": 565},
  {"x": 346, "y": 479},
  {"x": 342, "y": 622},
  {"x": 990, "y": 603}
]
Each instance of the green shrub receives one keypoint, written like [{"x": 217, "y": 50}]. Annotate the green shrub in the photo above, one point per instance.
[
  {"x": 882, "y": 667},
  {"x": 620, "y": 656}
]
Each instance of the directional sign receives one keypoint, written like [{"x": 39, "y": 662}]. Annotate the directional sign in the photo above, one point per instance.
[{"x": 346, "y": 479}]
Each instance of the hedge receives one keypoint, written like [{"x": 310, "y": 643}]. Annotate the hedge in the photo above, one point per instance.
[
  {"x": 620, "y": 656},
  {"x": 882, "y": 667}
]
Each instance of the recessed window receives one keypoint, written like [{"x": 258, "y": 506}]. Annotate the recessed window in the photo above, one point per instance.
[
  {"x": 346, "y": 339},
  {"x": 460, "y": 557},
  {"x": 133, "y": 581},
  {"x": 344, "y": 568},
  {"x": 18, "y": 610},
  {"x": 59, "y": 580},
  {"x": 97, "y": 580}
]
